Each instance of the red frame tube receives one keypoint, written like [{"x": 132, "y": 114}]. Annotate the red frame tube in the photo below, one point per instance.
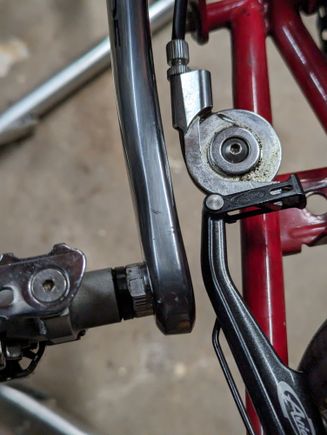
[
  {"x": 303, "y": 227},
  {"x": 250, "y": 71},
  {"x": 307, "y": 63},
  {"x": 263, "y": 287},
  {"x": 250, "y": 22}
]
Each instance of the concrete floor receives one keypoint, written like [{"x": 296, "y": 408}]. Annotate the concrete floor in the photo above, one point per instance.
[{"x": 68, "y": 183}]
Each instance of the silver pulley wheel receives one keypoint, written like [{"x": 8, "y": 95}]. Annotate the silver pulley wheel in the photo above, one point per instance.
[{"x": 232, "y": 151}]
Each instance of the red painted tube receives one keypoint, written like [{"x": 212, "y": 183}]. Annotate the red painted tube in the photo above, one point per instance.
[
  {"x": 263, "y": 287},
  {"x": 302, "y": 227},
  {"x": 307, "y": 63},
  {"x": 263, "y": 277},
  {"x": 262, "y": 259},
  {"x": 250, "y": 72},
  {"x": 221, "y": 13}
]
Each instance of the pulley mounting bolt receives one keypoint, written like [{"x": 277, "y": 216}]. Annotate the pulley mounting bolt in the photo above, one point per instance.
[{"x": 235, "y": 150}]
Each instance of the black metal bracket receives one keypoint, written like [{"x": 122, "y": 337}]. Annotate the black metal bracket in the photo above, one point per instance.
[
  {"x": 275, "y": 389},
  {"x": 279, "y": 394}
]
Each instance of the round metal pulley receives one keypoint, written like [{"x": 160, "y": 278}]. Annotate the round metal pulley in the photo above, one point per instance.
[{"x": 231, "y": 151}]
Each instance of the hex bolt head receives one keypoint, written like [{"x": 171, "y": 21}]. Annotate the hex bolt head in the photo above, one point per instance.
[
  {"x": 234, "y": 151},
  {"x": 48, "y": 285},
  {"x": 214, "y": 202}
]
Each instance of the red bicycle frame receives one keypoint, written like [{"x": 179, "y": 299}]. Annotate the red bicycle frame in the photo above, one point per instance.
[{"x": 250, "y": 22}]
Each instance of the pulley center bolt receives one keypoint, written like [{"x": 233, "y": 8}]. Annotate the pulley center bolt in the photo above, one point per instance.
[
  {"x": 48, "y": 285},
  {"x": 234, "y": 151}
]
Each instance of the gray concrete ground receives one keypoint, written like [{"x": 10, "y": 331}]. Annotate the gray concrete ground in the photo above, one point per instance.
[{"x": 68, "y": 183}]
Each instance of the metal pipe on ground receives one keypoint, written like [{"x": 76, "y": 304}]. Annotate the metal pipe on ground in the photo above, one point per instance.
[{"x": 20, "y": 119}]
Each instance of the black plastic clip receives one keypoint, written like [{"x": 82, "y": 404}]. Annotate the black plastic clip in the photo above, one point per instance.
[{"x": 264, "y": 199}]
